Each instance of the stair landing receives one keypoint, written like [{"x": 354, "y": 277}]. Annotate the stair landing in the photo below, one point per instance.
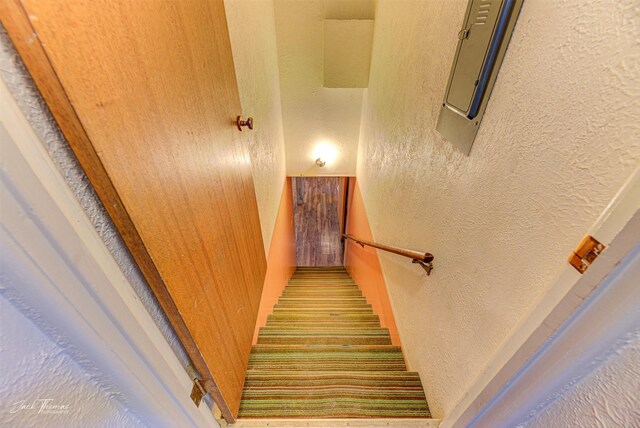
[{"x": 324, "y": 355}]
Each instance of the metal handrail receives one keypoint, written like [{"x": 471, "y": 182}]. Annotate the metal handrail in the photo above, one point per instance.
[{"x": 423, "y": 259}]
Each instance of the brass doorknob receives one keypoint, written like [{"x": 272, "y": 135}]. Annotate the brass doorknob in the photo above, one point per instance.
[{"x": 248, "y": 123}]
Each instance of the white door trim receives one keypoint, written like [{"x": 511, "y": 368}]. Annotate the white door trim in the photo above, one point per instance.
[
  {"x": 618, "y": 228},
  {"x": 61, "y": 267}
]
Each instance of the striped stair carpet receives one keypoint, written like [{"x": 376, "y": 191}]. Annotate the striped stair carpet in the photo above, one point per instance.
[{"x": 323, "y": 354}]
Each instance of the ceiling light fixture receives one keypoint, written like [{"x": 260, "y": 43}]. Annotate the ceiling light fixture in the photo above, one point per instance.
[{"x": 324, "y": 153}]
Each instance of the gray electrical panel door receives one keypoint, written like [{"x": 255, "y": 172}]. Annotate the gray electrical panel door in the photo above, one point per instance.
[
  {"x": 475, "y": 37},
  {"x": 482, "y": 43}
]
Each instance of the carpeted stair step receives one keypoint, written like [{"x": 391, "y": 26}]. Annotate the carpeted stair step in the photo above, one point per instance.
[
  {"x": 319, "y": 325},
  {"x": 325, "y": 340},
  {"x": 326, "y": 330},
  {"x": 265, "y": 379},
  {"x": 321, "y": 288},
  {"x": 306, "y": 298},
  {"x": 316, "y": 285},
  {"x": 307, "y": 285},
  {"x": 330, "y": 325},
  {"x": 317, "y": 321},
  {"x": 328, "y": 358},
  {"x": 321, "y": 283},
  {"x": 339, "y": 294},
  {"x": 322, "y": 305},
  {"x": 338, "y": 392},
  {"x": 335, "y": 275},
  {"x": 331, "y": 295},
  {"x": 337, "y": 365},
  {"x": 333, "y": 395},
  {"x": 330, "y": 307},
  {"x": 353, "y": 291},
  {"x": 323, "y": 302},
  {"x": 294, "y": 317},
  {"x": 322, "y": 311},
  {"x": 324, "y": 272}
]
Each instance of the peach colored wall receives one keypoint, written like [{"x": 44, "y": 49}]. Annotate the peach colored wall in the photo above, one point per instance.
[
  {"x": 363, "y": 265},
  {"x": 281, "y": 260}
]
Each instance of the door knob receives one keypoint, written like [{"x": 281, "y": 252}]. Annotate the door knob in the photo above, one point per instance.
[{"x": 248, "y": 123}]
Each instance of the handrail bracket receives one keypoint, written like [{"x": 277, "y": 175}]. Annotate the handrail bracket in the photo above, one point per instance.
[{"x": 428, "y": 267}]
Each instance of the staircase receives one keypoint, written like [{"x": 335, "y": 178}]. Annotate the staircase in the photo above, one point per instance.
[{"x": 323, "y": 354}]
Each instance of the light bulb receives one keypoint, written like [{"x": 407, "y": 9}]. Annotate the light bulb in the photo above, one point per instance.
[{"x": 325, "y": 153}]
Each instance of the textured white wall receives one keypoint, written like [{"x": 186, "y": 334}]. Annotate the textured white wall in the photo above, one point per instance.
[
  {"x": 35, "y": 368},
  {"x": 253, "y": 41},
  {"x": 559, "y": 138},
  {"x": 608, "y": 397}
]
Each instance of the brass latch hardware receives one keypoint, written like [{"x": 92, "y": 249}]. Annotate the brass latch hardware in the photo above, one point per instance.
[
  {"x": 197, "y": 392},
  {"x": 583, "y": 256}
]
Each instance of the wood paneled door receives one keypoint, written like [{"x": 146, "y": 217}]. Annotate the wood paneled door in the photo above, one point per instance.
[
  {"x": 317, "y": 225},
  {"x": 145, "y": 92}
]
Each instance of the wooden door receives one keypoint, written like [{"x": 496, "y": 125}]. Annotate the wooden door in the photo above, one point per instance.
[
  {"x": 145, "y": 92},
  {"x": 317, "y": 224}
]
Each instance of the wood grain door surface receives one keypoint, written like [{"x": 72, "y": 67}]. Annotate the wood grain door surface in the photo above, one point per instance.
[
  {"x": 317, "y": 225},
  {"x": 153, "y": 86}
]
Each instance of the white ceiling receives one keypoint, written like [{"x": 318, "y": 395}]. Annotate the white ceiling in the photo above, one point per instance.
[
  {"x": 312, "y": 57},
  {"x": 347, "y": 52}
]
